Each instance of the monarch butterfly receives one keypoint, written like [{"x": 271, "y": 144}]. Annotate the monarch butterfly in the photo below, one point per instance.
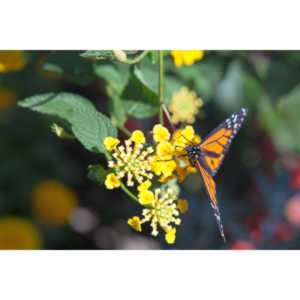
[{"x": 208, "y": 156}]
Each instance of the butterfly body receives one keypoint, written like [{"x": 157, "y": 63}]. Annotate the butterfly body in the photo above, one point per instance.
[{"x": 208, "y": 156}]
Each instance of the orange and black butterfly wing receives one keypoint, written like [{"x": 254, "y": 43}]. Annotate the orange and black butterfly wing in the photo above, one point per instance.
[
  {"x": 210, "y": 186},
  {"x": 216, "y": 144}
]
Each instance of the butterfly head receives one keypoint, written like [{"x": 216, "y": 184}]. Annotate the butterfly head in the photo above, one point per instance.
[{"x": 193, "y": 152}]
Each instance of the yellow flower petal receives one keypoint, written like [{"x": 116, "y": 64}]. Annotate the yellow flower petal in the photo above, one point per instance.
[
  {"x": 171, "y": 236},
  {"x": 160, "y": 133},
  {"x": 165, "y": 150},
  {"x": 182, "y": 205},
  {"x": 165, "y": 179},
  {"x": 138, "y": 137},
  {"x": 156, "y": 165},
  {"x": 112, "y": 181},
  {"x": 110, "y": 143},
  {"x": 146, "y": 197},
  {"x": 135, "y": 223},
  {"x": 187, "y": 57},
  {"x": 169, "y": 167},
  {"x": 144, "y": 186}
]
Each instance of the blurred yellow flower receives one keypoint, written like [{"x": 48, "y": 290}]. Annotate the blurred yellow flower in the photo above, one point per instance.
[
  {"x": 182, "y": 205},
  {"x": 110, "y": 143},
  {"x": 18, "y": 234},
  {"x": 13, "y": 60},
  {"x": 112, "y": 181},
  {"x": 53, "y": 202},
  {"x": 135, "y": 223},
  {"x": 171, "y": 236},
  {"x": 131, "y": 160},
  {"x": 187, "y": 57},
  {"x": 8, "y": 98},
  {"x": 184, "y": 106},
  {"x": 160, "y": 133}
]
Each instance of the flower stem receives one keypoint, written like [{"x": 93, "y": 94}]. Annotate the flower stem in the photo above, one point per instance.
[
  {"x": 161, "y": 81},
  {"x": 124, "y": 130},
  {"x": 125, "y": 189}
]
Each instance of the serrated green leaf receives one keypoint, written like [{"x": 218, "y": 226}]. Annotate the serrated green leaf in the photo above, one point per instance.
[
  {"x": 104, "y": 54},
  {"x": 98, "y": 54},
  {"x": 70, "y": 66},
  {"x": 88, "y": 125},
  {"x": 97, "y": 173}
]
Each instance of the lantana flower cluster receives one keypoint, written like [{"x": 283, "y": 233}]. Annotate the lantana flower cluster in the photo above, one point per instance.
[{"x": 147, "y": 169}]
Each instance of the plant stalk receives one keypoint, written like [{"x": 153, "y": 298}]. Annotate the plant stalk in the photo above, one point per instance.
[
  {"x": 135, "y": 60},
  {"x": 161, "y": 81},
  {"x": 125, "y": 189}
]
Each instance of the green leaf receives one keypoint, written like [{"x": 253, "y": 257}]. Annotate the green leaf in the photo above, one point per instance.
[
  {"x": 277, "y": 127},
  {"x": 237, "y": 88},
  {"x": 202, "y": 77},
  {"x": 115, "y": 75},
  {"x": 88, "y": 125},
  {"x": 97, "y": 173},
  {"x": 70, "y": 66},
  {"x": 141, "y": 101},
  {"x": 104, "y": 54},
  {"x": 98, "y": 54},
  {"x": 282, "y": 76},
  {"x": 148, "y": 75},
  {"x": 117, "y": 110},
  {"x": 289, "y": 111},
  {"x": 154, "y": 54}
]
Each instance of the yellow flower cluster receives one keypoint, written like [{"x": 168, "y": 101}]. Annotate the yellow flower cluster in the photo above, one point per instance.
[
  {"x": 187, "y": 57},
  {"x": 184, "y": 106},
  {"x": 164, "y": 164},
  {"x": 162, "y": 210},
  {"x": 130, "y": 159},
  {"x": 151, "y": 167}
]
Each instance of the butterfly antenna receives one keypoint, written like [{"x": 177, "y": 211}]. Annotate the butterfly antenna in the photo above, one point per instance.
[{"x": 187, "y": 139}]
